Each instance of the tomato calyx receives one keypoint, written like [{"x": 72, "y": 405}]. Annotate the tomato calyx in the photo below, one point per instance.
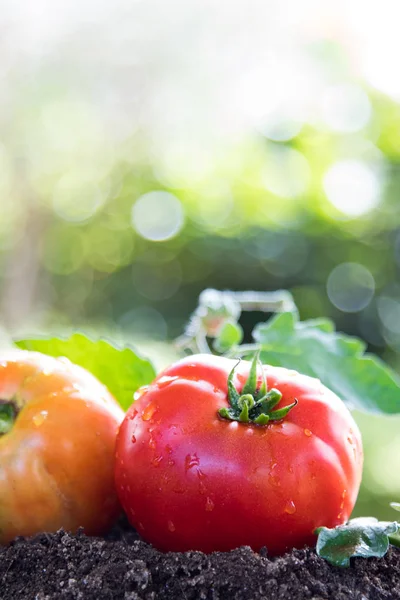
[
  {"x": 8, "y": 414},
  {"x": 255, "y": 403}
]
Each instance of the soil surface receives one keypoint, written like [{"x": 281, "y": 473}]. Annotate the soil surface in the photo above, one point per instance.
[{"x": 76, "y": 567}]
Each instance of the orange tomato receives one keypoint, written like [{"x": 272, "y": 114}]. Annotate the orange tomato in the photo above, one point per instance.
[{"x": 57, "y": 458}]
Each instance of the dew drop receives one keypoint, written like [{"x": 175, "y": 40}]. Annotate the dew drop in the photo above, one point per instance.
[
  {"x": 171, "y": 462},
  {"x": 40, "y": 418},
  {"x": 140, "y": 392},
  {"x": 171, "y": 526},
  {"x": 165, "y": 381},
  {"x": 156, "y": 461},
  {"x": 274, "y": 480},
  {"x": 200, "y": 474},
  {"x": 307, "y": 432},
  {"x": 209, "y": 505},
  {"x": 132, "y": 414},
  {"x": 290, "y": 507},
  {"x": 133, "y": 439},
  {"x": 141, "y": 526},
  {"x": 290, "y": 469},
  {"x": 149, "y": 412},
  {"x": 152, "y": 442},
  {"x": 132, "y": 512},
  {"x": 191, "y": 460},
  {"x": 168, "y": 449},
  {"x": 339, "y": 516}
]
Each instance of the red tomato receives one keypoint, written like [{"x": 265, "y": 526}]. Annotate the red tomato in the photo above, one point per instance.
[{"x": 190, "y": 479}]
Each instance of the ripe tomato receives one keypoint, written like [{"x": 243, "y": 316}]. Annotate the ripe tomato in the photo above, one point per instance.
[
  {"x": 57, "y": 445},
  {"x": 190, "y": 478}
]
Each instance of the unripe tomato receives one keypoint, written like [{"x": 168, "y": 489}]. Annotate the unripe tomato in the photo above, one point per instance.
[
  {"x": 209, "y": 459},
  {"x": 57, "y": 445}
]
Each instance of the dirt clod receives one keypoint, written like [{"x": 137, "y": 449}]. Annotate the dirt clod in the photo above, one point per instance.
[{"x": 121, "y": 567}]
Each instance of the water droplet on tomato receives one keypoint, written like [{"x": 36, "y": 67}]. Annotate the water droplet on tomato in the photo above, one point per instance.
[
  {"x": 140, "y": 392},
  {"x": 344, "y": 493},
  {"x": 274, "y": 480},
  {"x": 209, "y": 505},
  {"x": 290, "y": 507},
  {"x": 132, "y": 414},
  {"x": 132, "y": 512},
  {"x": 156, "y": 461},
  {"x": 171, "y": 526},
  {"x": 140, "y": 526},
  {"x": 168, "y": 449},
  {"x": 165, "y": 380},
  {"x": 133, "y": 439},
  {"x": 307, "y": 432},
  {"x": 191, "y": 460},
  {"x": 149, "y": 411},
  {"x": 152, "y": 441},
  {"x": 40, "y": 418},
  {"x": 171, "y": 462},
  {"x": 290, "y": 469}
]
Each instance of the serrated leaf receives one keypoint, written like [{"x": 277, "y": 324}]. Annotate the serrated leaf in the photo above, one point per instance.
[
  {"x": 364, "y": 536},
  {"x": 361, "y": 380},
  {"x": 229, "y": 335},
  {"x": 121, "y": 370}
]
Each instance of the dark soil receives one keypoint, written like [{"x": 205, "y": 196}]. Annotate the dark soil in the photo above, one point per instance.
[{"x": 66, "y": 567}]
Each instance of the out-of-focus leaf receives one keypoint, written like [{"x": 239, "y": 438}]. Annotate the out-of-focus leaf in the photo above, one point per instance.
[
  {"x": 313, "y": 347},
  {"x": 121, "y": 370},
  {"x": 229, "y": 335}
]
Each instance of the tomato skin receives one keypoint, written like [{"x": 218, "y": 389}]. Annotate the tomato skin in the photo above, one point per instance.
[
  {"x": 56, "y": 463},
  {"x": 190, "y": 480}
]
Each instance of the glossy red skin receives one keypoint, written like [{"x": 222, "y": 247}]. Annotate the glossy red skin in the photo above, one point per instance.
[{"x": 190, "y": 480}]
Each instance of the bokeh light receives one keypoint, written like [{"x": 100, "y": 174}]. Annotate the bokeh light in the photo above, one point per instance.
[
  {"x": 157, "y": 216},
  {"x": 350, "y": 287},
  {"x": 352, "y": 187}
]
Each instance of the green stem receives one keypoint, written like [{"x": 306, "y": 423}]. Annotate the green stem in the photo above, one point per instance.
[
  {"x": 8, "y": 414},
  {"x": 254, "y": 404}
]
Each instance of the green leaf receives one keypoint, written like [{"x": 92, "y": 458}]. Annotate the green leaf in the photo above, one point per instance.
[
  {"x": 361, "y": 380},
  {"x": 229, "y": 335},
  {"x": 364, "y": 536},
  {"x": 121, "y": 370}
]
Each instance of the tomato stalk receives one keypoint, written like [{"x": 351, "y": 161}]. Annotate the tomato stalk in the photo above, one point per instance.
[
  {"x": 8, "y": 414},
  {"x": 216, "y": 308},
  {"x": 255, "y": 403}
]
